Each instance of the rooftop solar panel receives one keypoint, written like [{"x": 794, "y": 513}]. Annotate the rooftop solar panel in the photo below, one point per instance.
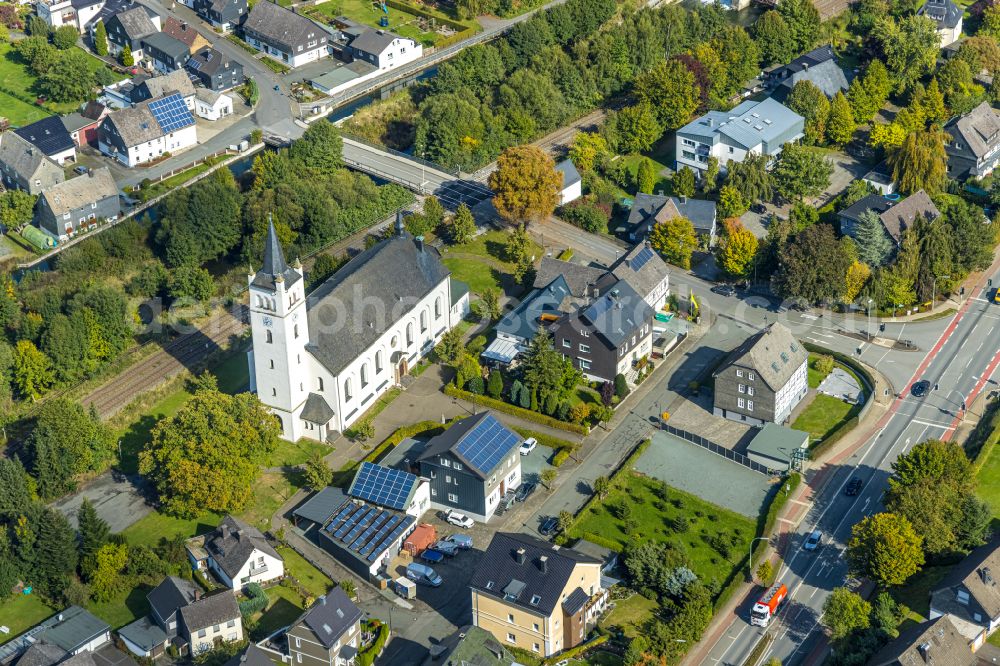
[
  {"x": 487, "y": 444},
  {"x": 171, "y": 112},
  {"x": 379, "y": 537},
  {"x": 382, "y": 485},
  {"x": 640, "y": 260},
  {"x": 356, "y": 526},
  {"x": 391, "y": 538},
  {"x": 194, "y": 64}
]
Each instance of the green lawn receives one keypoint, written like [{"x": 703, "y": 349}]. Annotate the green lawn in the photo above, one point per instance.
[
  {"x": 988, "y": 482},
  {"x": 823, "y": 415},
  {"x": 22, "y": 613},
  {"x": 481, "y": 262},
  {"x": 125, "y": 608},
  {"x": 663, "y": 182},
  {"x": 728, "y": 533},
  {"x": 816, "y": 377},
  {"x": 401, "y": 22},
  {"x": 284, "y": 606},
  {"x": 149, "y": 529},
  {"x": 630, "y": 614},
  {"x": 311, "y": 578}
]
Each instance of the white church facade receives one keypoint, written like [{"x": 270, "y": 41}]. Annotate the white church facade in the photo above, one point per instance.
[{"x": 320, "y": 362}]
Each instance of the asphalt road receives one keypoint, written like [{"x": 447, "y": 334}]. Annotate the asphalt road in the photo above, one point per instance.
[{"x": 964, "y": 358}]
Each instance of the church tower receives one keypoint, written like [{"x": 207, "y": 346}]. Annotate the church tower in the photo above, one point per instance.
[{"x": 278, "y": 322}]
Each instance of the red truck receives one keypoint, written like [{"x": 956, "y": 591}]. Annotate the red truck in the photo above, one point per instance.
[{"x": 768, "y": 604}]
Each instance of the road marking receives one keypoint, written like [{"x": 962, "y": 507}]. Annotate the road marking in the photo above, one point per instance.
[{"x": 932, "y": 424}]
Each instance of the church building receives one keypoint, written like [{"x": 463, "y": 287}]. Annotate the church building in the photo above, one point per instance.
[{"x": 319, "y": 362}]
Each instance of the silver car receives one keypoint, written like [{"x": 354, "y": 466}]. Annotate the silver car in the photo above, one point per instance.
[{"x": 813, "y": 541}]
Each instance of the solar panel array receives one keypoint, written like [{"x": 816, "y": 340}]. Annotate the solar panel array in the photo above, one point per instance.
[
  {"x": 171, "y": 112},
  {"x": 640, "y": 260},
  {"x": 487, "y": 444},
  {"x": 367, "y": 531},
  {"x": 382, "y": 485},
  {"x": 193, "y": 64}
]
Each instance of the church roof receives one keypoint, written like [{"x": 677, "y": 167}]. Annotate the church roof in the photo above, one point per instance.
[
  {"x": 274, "y": 263},
  {"x": 375, "y": 289}
]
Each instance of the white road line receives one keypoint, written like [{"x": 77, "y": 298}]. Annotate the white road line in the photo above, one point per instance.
[{"x": 932, "y": 424}]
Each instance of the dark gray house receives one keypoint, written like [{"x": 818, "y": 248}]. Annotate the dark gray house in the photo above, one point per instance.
[
  {"x": 974, "y": 149},
  {"x": 165, "y": 52},
  {"x": 222, "y": 14},
  {"x": 937, "y": 641},
  {"x": 472, "y": 465},
  {"x": 328, "y": 633},
  {"x": 819, "y": 67},
  {"x": 130, "y": 26},
  {"x": 650, "y": 209},
  {"x": 51, "y": 137},
  {"x": 215, "y": 70},
  {"x": 78, "y": 204},
  {"x": 970, "y": 595},
  {"x": 896, "y": 216},
  {"x": 763, "y": 379},
  {"x": 25, "y": 167},
  {"x": 284, "y": 35}
]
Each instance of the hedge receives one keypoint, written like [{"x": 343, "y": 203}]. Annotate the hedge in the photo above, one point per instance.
[
  {"x": 610, "y": 544},
  {"x": 561, "y": 456},
  {"x": 545, "y": 440},
  {"x": 631, "y": 460},
  {"x": 255, "y": 602},
  {"x": 367, "y": 657},
  {"x": 519, "y": 412},
  {"x": 820, "y": 447},
  {"x": 579, "y": 649},
  {"x": 986, "y": 435}
]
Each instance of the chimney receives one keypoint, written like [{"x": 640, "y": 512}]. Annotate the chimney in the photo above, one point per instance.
[
  {"x": 683, "y": 199},
  {"x": 197, "y": 593},
  {"x": 543, "y": 563},
  {"x": 519, "y": 556},
  {"x": 224, "y": 531},
  {"x": 400, "y": 227},
  {"x": 925, "y": 651},
  {"x": 419, "y": 240}
]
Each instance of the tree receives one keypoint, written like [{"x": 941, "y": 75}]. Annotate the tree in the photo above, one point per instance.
[
  {"x": 885, "y": 548},
  {"x": 646, "y": 176},
  {"x": 920, "y": 162},
  {"x": 807, "y": 100},
  {"x": 840, "y": 125},
  {"x": 71, "y": 81},
  {"x": 16, "y": 208},
  {"x": 189, "y": 282},
  {"x": 874, "y": 244},
  {"x": 801, "y": 172},
  {"x": 802, "y": 215},
  {"x": 494, "y": 386},
  {"x": 548, "y": 476},
  {"x": 37, "y": 27},
  {"x": 93, "y": 530},
  {"x": 491, "y": 304},
  {"x": 886, "y": 136},
  {"x": 621, "y": 387},
  {"x": 602, "y": 487},
  {"x": 771, "y": 34},
  {"x": 32, "y": 371},
  {"x": 814, "y": 265},
  {"x": 67, "y": 440},
  {"x": 106, "y": 571},
  {"x": 450, "y": 348},
  {"x": 910, "y": 46},
  {"x": 675, "y": 240},
  {"x": 545, "y": 369},
  {"x": 803, "y": 21},
  {"x": 845, "y": 612},
  {"x": 634, "y": 129},
  {"x": 933, "y": 100},
  {"x": 318, "y": 473},
  {"x": 320, "y": 150},
  {"x": 526, "y": 184},
  {"x": 16, "y": 489},
  {"x": 736, "y": 250},
  {"x": 463, "y": 225},
  {"x": 751, "y": 177},
  {"x": 125, "y": 57},
  {"x": 731, "y": 202},
  {"x": 980, "y": 53},
  {"x": 857, "y": 277},
  {"x": 670, "y": 91},
  {"x": 587, "y": 148},
  {"x": 710, "y": 179},
  {"x": 101, "y": 39},
  {"x": 64, "y": 37},
  {"x": 869, "y": 92},
  {"x": 564, "y": 521},
  {"x": 684, "y": 182},
  {"x": 765, "y": 572},
  {"x": 206, "y": 456},
  {"x": 54, "y": 553}
]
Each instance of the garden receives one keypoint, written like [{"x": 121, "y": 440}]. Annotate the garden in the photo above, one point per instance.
[
  {"x": 825, "y": 414},
  {"x": 483, "y": 261},
  {"x": 423, "y": 25}
]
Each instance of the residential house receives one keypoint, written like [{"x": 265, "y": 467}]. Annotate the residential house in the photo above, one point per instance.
[
  {"x": 896, "y": 216},
  {"x": 329, "y": 519},
  {"x": 472, "y": 465},
  {"x": 288, "y": 37},
  {"x": 82, "y": 127},
  {"x": 211, "y": 621},
  {"x": 51, "y": 137},
  {"x": 969, "y": 595},
  {"x": 130, "y": 26},
  {"x": 536, "y": 596},
  {"x": 358, "y": 334},
  {"x": 937, "y": 641},
  {"x": 607, "y": 557},
  {"x": 539, "y": 308},
  {"x": 237, "y": 554},
  {"x": 383, "y": 49},
  {"x": 819, "y": 67},
  {"x": 763, "y": 379},
  {"x": 391, "y": 488},
  {"x": 974, "y": 148},
  {"x": 78, "y": 204},
  {"x": 165, "y": 53},
  {"x": 76, "y": 13},
  {"x": 779, "y": 448},
  {"x": 72, "y": 631},
  {"x": 470, "y": 645},
  {"x": 215, "y": 71},
  {"x": 46, "y": 654},
  {"x": 176, "y": 81},
  {"x": 146, "y": 131},
  {"x": 650, "y": 209},
  {"x": 646, "y": 273},
  {"x": 25, "y": 167},
  {"x": 212, "y": 105},
  {"x": 947, "y": 17},
  {"x": 222, "y": 14},
  {"x": 328, "y": 633},
  {"x": 572, "y": 183},
  {"x": 750, "y": 127},
  {"x": 187, "y": 33}
]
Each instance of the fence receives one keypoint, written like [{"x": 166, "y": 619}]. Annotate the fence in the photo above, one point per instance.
[{"x": 728, "y": 454}]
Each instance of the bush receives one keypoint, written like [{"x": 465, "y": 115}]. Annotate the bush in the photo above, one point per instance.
[
  {"x": 621, "y": 386},
  {"x": 824, "y": 364},
  {"x": 561, "y": 456},
  {"x": 513, "y": 410},
  {"x": 367, "y": 656},
  {"x": 587, "y": 215},
  {"x": 255, "y": 602},
  {"x": 475, "y": 385},
  {"x": 494, "y": 388}
]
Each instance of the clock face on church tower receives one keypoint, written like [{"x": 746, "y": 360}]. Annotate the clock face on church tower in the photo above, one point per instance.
[{"x": 267, "y": 322}]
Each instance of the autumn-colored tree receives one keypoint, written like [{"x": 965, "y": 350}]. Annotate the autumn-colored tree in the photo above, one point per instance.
[
  {"x": 886, "y": 549},
  {"x": 526, "y": 184},
  {"x": 32, "y": 370},
  {"x": 920, "y": 162},
  {"x": 675, "y": 240},
  {"x": 886, "y": 136},
  {"x": 732, "y": 203},
  {"x": 736, "y": 249},
  {"x": 586, "y": 149},
  {"x": 857, "y": 276}
]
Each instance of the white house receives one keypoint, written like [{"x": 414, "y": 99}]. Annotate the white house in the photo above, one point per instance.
[
  {"x": 384, "y": 50},
  {"x": 237, "y": 553},
  {"x": 572, "y": 186},
  {"x": 148, "y": 130},
  {"x": 319, "y": 364},
  {"x": 212, "y": 105},
  {"x": 289, "y": 38},
  {"x": 77, "y": 13},
  {"x": 947, "y": 17}
]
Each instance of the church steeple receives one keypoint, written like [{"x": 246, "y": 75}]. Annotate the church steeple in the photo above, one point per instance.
[{"x": 274, "y": 257}]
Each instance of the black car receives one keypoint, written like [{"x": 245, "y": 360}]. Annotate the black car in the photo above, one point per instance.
[
  {"x": 853, "y": 487},
  {"x": 549, "y": 526},
  {"x": 524, "y": 492},
  {"x": 724, "y": 289},
  {"x": 919, "y": 389},
  {"x": 758, "y": 208}
]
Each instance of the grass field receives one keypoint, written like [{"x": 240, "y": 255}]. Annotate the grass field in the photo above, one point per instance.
[
  {"x": 630, "y": 614},
  {"x": 283, "y": 607},
  {"x": 481, "y": 262},
  {"x": 988, "y": 482},
  {"x": 815, "y": 376},
  {"x": 823, "y": 415},
  {"x": 22, "y": 613},
  {"x": 401, "y": 22},
  {"x": 311, "y": 578}
]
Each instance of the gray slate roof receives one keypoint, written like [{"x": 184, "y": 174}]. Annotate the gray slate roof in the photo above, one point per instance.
[
  {"x": 476, "y": 647},
  {"x": 167, "y": 44},
  {"x": 978, "y": 573},
  {"x": 373, "y": 41},
  {"x": 458, "y": 433},
  {"x": 902, "y": 216},
  {"x": 76, "y": 628},
  {"x": 76, "y": 121},
  {"x": 331, "y": 617},
  {"x": 945, "y": 13},
  {"x": 647, "y": 277},
  {"x": 274, "y": 263},
  {"x": 175, "y": 81},
  {"x": 209, "y": 60},
  {"x": 569, "y": 172},
  {"x": 136, "y": 22},
  {"x": 89, "y": 188},
  {"x": 317, "y": 409},
  {"x": 365, "y": 279},
  {"x": 617, "y": 313},
  {"x": 22, "y": 157},
  {"x": 773, "y": 353},
  {"x": 577, "y": 276},
  {"x": 232, "y": 543},
  {"x": 144, "y": 632},
  {"x": 322, "y": 505},
  {"x": 208, "y": 611},
  {"x": 170, "y": 595},
  {"x": 827, "y": 76},
  {"x": 939, "y": 637},
  {"x": 498, "y": 569},
  {"x": 875, "y": 202},
  {"x": 42, "y": 654},
  {"x": 979, "y": 129},
  {"x": 575, "y": 601},
  {"x": 282, "y": 26},
  {"x": 135, "y": 124},
  {"x": 648, "y": 209},
  {"x": 524, "y": 320}
]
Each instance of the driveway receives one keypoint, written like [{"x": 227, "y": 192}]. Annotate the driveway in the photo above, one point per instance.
[{"x": 117, "y": 500}]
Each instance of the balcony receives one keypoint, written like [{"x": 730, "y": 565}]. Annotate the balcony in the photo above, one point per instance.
[{"x": 258, "y": 570}]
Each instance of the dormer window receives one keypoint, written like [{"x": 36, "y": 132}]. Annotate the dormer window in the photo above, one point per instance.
[{"x": 962, "y": 596}]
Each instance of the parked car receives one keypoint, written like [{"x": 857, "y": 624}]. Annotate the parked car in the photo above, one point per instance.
[
  {"x": 524, "y": 492},
  {"x": 463, "y": 541},
  {"x": 758, "y": 208},
  {"x": 421, "y": 573},
  {"x": 459, "y": 519},
  {"x": 448, "y": 548},
  {"x": 81, "y": 170},
  {"x": 432, "y": 556},
  {"x": 549, "y": 526},
  {"x": 724, "y": 289},
  {"x": 528, "y": 445},
  {"x": 853, "y": 487},
  {"x": 919, "y": 389},
  {"x": 813, "y": 541},
  {"x": 996, "y": 295}
]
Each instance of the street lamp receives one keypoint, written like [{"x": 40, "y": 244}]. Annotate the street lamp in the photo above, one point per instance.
[
  {"x": 423, "y": 178},
  {"x": 934, "y": 287},
  {"x": 750, "y": 554},
  {"x": 869, "y": 320}
]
